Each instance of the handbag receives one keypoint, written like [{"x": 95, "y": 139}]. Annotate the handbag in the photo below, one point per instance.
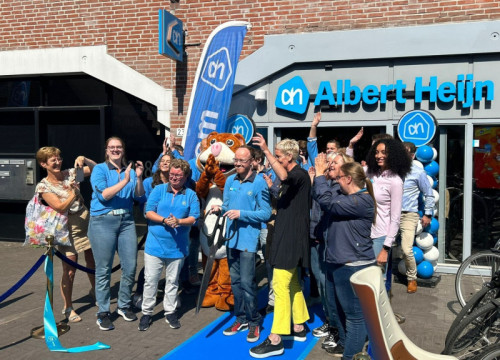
[{"x": 41, "y": 220}]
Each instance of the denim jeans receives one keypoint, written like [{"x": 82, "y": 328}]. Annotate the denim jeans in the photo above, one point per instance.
[
  {"x": 378, "y": 244},
  {"x": 153, "y": 268},
  {"x": 242, "y": 271},
  {"x": 318, "y": 267},
  {"x": 107, "y": 234},
  {"x": 349, "y": 317}
]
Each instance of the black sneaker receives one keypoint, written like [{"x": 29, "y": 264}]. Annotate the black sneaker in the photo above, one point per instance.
[
  {"x": 145, "y": 322},
  {"x": 104, "y": 322},
  {"x": 253, "y": 333},
  {"x": 127, "y": 314},
  {"x": 235, "y": 328},
  {"x": 321, "y": 331},
  {"x": 173, "y": 321},
  {"x": 267, "y": 349},
  {"x": 335, "y": 351},
  {"x": 297, "y": 336},
  {"x": 331, "y": 340}
]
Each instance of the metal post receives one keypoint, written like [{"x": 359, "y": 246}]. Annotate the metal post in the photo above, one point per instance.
[{"x": 62, "y": 327}]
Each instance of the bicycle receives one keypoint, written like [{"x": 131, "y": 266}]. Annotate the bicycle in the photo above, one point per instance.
[
  {"x": 481, "y": 266},
  {"x": 491, "y": 352}
]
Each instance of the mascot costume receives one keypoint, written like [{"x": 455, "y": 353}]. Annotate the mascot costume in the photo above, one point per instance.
[{"x": 216, "y": 163}]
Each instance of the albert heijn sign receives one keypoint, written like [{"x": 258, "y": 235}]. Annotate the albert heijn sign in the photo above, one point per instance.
[
  {"x": 294, "y": 96},
  {"x": 171, "y": 35}
]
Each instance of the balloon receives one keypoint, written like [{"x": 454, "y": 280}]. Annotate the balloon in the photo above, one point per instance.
[
  {"x": 435, "y": 239},
  {"x": 432, "y": 168},
  {"x": 434, "y": 264},
  {"x": 433, "y": 227},
  {"x": 424, "y": 154},
  {"x": 436, "y": 196},
  {"x": 418, "y": 164},
  {"x": 431, "y": 180},
  {"x": 418, "y": 254},
  {"x": 424, "y": 240},
  {"x": 419, "y": 228},
  {"x": 435, "y": 155},
  {"x": 425, "y": 270},
  {"x": 432, "y": 254},
  {"x": 435, "y": 211}
]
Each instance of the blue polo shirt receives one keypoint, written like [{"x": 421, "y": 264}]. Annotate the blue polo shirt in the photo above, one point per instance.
[
  {"x": 164, "y": 241},
  {"x": 105, "y": 175},
  {"x": 251, "y": 197}
]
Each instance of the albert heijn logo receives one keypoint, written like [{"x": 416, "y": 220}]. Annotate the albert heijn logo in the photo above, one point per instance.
[
  {"x": 418, "y": 127},
  {"x": 293, "y": 96},
  {"x": 217, "y": 70}
]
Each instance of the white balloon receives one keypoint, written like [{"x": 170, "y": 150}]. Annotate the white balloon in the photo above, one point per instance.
[
  {"x": 434, "y": 157},
  {"x": 424, "y": 240},
  {"x": 402, "y": 267},
  {"x": 432, "y": 254},
  {"x": 435, "y": 211},
  {"x": 418, "y": 163},
  {"x": 419, "y": 228},
  {"x": 431, "y": 180},
  {"x": 436, "y": 196},
  {"x": 434, "y": 264}
]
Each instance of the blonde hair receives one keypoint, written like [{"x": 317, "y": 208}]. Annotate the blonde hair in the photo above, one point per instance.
[
  {"x": 345, "y": 158},
  {"x": 45, "y": 153},
  {"x": 289, "y": 147},
  {"x": 356, "y": 172},
  {"x": 124, "y": 160}
]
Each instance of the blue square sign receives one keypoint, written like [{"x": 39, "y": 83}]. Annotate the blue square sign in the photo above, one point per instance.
[{"x": 171, "y": 35}]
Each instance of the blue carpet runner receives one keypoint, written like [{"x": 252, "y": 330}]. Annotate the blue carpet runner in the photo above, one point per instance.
[{"x": 210, "y": 343}]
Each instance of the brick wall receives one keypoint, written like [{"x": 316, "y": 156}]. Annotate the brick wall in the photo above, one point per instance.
[{"x": 130, "y": 27}]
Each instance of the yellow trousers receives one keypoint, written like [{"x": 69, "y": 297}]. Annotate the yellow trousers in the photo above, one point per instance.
[{"x": 288, "y": 301}]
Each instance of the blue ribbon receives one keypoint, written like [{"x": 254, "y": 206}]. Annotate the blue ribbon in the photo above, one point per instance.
[{"x": 49, "y": 322}]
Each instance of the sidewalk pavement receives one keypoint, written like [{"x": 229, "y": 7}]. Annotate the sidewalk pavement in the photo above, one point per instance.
[{"x": 428, "y": 313}]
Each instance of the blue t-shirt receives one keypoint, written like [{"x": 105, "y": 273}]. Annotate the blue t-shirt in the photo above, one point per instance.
[
  {"x": 252, "y": 198},
  {"x": 105, "y": 175},
  {"x": 164, "y": 241}
]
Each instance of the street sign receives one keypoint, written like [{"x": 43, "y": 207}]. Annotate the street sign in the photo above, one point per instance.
[
  {"x": 418, "y": 127},
  {"x": 171, "y": 35}
]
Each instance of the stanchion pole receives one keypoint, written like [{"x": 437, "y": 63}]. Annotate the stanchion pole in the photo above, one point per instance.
[{"x": 62, "y": 327}]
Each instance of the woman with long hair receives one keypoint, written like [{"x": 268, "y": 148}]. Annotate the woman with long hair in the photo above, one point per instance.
[
  {"x": 387, "y": 165},
  {"x": 112, "y": 228},
  {"x": 61, "y": 192},
  {"x": 350, "y": 206},
  {"x": 160, "y": 176}
]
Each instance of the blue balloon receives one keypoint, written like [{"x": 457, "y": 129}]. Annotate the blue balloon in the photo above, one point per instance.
[
  {"x": 418, "y": 254},
  {"x": 433, "y": 227},
  {"x": 435, "y": 184},
  {"x": 432, "y": 168},
  {"x": 435, "y": 239},
  {"x": 424, "y": 154},
  {"x": 420, "y": 212},
  {"x": 425, "y": 270}
]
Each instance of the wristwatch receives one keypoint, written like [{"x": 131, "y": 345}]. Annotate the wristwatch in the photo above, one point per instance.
[{"x": 386, "y": 248}]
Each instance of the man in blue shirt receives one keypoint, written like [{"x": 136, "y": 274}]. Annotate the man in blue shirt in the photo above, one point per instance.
[
  {"x": 246, "y": 205},
  {"x": 415, "y": 182}
]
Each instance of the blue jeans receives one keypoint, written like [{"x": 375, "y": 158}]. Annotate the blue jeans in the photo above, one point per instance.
[
  {"x": 242, "y": 271},
  {"x": 349, "y": 317},
  {"x": 378, "y": 244},
  {"x": 318, "y": 268},
  {"x": 108, "y": 233}
]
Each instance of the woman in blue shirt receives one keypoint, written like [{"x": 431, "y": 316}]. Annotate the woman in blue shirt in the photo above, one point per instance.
[
  {"x": 348, "y": 249},
  {"x": 171, "y": 209},
  {"x": 115, "y": 187}
]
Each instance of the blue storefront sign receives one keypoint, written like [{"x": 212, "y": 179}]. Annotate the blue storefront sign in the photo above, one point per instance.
[
  {"x": 293, "y": 95},
  {"x": 241, "y": 124},
  {"x": 171, "y": 35},
  {"x": 418, "y": 127}
]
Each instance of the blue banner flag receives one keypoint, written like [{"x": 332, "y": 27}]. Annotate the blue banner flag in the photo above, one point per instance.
[{"x": 213, "y": 85}]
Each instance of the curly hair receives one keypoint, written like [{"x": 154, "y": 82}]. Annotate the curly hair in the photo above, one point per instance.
[{"x": 397, "y": 159}]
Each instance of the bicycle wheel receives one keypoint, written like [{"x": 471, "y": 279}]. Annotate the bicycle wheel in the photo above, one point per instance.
[
  {"x": 474, "y": 333},
  {"x": 474, "y": 272},
  {"x": 481, "y": 298},
  {"x": 491, "y": 352}
]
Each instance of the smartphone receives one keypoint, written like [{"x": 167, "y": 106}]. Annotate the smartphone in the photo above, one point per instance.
[{"x": 79, "y": 175}]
